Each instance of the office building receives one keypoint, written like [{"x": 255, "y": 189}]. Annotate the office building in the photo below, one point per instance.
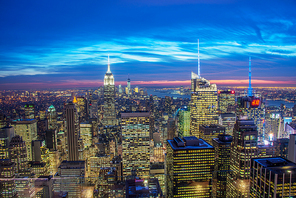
[
  {"x": 6, "y": 134},
  {"x": 226, "y": 101},
  {"x": 222, "y": 146},
  {"x": 29, "y": 111},
  {"x": 281, "y": 147},
  {"x": 86, "y": 134},
  {"x": 135, "y": 144},
  {"x": 208, "y": 132},
  {"x": 227, "y": 120},
  {"x": 51, "y": 139},
  {"x": 82, "y": 110},
  {"x": 128, "y": 86},
  {"x": 52, "y": 118},
  {"x": 109, "y": 116},
  {"x": 204, "y": 104},
  {"x": 72, "y": 128},
  {"x": 7, "y": 176},
  {"x": 18, "y": 155},
  {"x": 70, "y": 178},
  {"x": 189, "y": 167},
  {"x": 272, "y": 177},
  {"x": 184, "y": 122},
  {"x": 244, "y": 147},
  {"x": 27, "y": 129}
]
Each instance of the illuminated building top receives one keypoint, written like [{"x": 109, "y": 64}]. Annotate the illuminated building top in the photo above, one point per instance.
[{"x": 108, "y": 79}]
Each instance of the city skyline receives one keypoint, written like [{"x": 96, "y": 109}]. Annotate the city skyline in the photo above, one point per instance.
[{"x": 65, "y": 45}]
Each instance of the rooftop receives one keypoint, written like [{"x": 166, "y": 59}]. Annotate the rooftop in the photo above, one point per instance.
[
  {"x": 135, "y": 114},
  {"x": 277, "y": 165},
  {"x": 188, "y": 143}
]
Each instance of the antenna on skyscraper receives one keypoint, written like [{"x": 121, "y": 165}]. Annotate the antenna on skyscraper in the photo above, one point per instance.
[
  {"x": 250, "y": 89},
  {"x": 198, "y": 62},
  {"x": 108, "y": 71}
]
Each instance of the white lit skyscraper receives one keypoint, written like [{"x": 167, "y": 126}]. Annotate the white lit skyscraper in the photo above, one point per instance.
[{"x": 109, "y": 117}]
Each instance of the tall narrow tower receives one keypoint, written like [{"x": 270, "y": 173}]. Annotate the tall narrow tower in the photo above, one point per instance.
[
  {"x": 129, "y": 85},
  {"x": 250, "y": 89},
  {"x": 72, "y": 131},
  {"x": 109, "y": 117}
]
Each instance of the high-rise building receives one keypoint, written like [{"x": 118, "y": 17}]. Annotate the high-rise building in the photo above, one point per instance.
[
  {"x": 272, "y": 177},
  {"x": 226, "y": 100},
  {"x": 189, "y": 167},
  {"x": 109, "y": 117},
  {"x": 203, "y": 108},
  {"x": 184, "y": 122},
  {"x": 72, "y": 129},
  {"x": 244, "y": 147},
  {"x": 51, "y": 139},
  {"x": 281, "y": 147},
  {"x": 208, "y": 132},
  {"x": 120, "y": 89},
  {"x": 135, "y": 144},
  {"x": 27, "y": 129},
  {"x": 29, "y": 111},
  {"x": 6, "y": 134},
  {"x": 82, "y": 110},
  {"x": 222, "y": 146},
  {"x": 251, "y": 106},
  {"x": 18, "y": 155},
  {"x": 52, "y": 117}
]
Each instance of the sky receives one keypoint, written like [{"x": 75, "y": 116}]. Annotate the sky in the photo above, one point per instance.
[{"x": 65, "y": 44}]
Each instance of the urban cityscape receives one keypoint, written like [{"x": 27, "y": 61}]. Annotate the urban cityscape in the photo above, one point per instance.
[{"x": 160, "y": 99}]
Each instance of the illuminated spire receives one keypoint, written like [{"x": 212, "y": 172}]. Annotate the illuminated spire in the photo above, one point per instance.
[
  {"x": 198, "y": 63},
  {"x": 250, "y": 89},
  {"x": 74, "y": 100},
  {"x": 108, "y": 71}
]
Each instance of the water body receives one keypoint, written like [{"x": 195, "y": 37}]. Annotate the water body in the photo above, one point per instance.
[
  {"x": 277, "y": 103},
  {"x": 162, "y": 94}
]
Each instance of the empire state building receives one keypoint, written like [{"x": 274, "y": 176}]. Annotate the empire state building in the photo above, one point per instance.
[{"x": 109, "y": 117}]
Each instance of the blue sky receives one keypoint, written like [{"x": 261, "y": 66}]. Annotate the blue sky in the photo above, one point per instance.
[{"x": 48, "y": 44}]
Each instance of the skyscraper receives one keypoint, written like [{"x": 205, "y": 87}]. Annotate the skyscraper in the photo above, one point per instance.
[
  {"x": 222, "y": 146},
  {"x": 184, "y": 122},
  {"x": 244, "y": 147},
  {"x": 226, "y": 101},
  {"x": 190, "y": 163},
  {"x": 135, "y": 144},
  {"x": 109, "y": 117},
  {"x": 29, "y": 111},
  {"x": 203, "y": 108},
  {"x": 72, "y": 127},
  {"x": 27, "y": 129},
  {"x": 52, "y": 117},
  {"x": 251, "y": 106}
]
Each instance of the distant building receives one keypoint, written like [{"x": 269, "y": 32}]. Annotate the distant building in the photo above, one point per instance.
[
  {"x": 6, "y": 134},
  {"x": 189, "y": 167},
  {"x": 27, "y": 129},
  {"x": 281, "y": 147},
  {"x": 52, "y": 118},
  {"x": 272, "y": 177},
  {"x": 135, "y": 144},
  {"x": 225, "y": 100},
  {"x": 29, "y": 111},
  {"x": 204, "y": 104}
]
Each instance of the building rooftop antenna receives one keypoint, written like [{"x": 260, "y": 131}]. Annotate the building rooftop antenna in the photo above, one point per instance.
[
  {"x": 198, "y": 62},
  {"x": 250, "y": 89}
]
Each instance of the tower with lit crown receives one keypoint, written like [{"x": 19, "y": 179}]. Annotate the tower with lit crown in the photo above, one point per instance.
[
  {"x": 204, "y": 102},
  {"x": 109, "y": 117}
]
